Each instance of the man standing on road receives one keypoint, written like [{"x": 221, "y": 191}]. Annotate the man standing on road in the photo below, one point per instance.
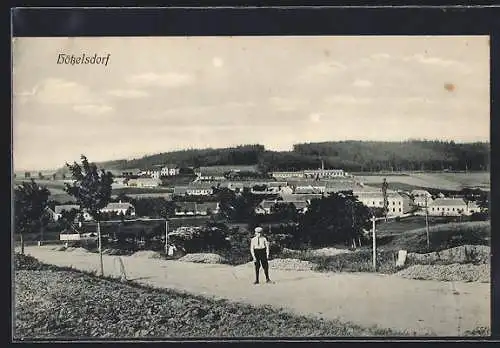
[{"x": 259, "y": 248}]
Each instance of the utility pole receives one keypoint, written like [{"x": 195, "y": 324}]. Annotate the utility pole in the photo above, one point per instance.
[
  {"x": 374, "y": 241},
  {"x": 384, "y": 193},
  {"x": 427, "y": 222},
  {"x": 166, "y": 236},
  {"x": 100, "y": 248}
]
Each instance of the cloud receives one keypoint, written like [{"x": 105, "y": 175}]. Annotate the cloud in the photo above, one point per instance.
[
  {"x": 380, "y": 56},
  {"x": 93, "y": 109},
  {"x": 162, "y": 80},
  {"x": 58, "y": 91},
  {"x": 315, "y": 117},
  {"x": 286, "y": 104},
  {"x": 217, "y": 62},
  {"x": 128, "y": 93},
  {"x": 362, "y": 83},
  {"x": 322, "y": 69},
  {"x": 347, "y": 99},
  {"x": 423, "y": 59}
]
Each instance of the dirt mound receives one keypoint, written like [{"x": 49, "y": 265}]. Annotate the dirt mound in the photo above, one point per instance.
[
  {"x": 114, "y": 252},
  {"x": 329, "y": 252},
  {"x": 202, "y": 258},
  {"x": 453, "y": 272},
  {"x": 81, "y": 250},
  {"x": 287, "y": 264},
  {"x": 479, "y": 254},
  {"x": 147, "y": 254},
  {"x": 59, "y": 248}
]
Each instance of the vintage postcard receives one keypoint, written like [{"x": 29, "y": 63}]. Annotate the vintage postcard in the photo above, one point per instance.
[{"x": 266, "y": 186}]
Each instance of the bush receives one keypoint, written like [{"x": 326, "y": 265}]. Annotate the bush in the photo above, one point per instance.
[{"x": 358, "y": 261}]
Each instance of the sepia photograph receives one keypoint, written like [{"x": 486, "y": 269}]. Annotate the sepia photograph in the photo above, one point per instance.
[{"x": 250, "y": 187}]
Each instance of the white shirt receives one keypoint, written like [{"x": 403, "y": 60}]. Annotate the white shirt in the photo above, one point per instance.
[{"x": 259, "y": 243}]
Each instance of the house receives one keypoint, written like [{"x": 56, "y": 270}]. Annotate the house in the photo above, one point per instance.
[
  {"x": 120, "y": 207},
  {"x": 307, "y": 197},
  {"x": 420, "y": 193},
  {"x": 266, "y": 206},
  {"x": 472, "y": 208},
  {"x": 238, "y": 186},
  {"x": 447, "y": 207},
  {"x": 170, "y": 170},
  {"x": 144, "y": 182},
  {"x": 119, "y": 182},
  {"x": 285, "y": 175},
  {"x": 422, "y": 201},
  {"x": 58, "y": 210},
  {"x": 131, "y": 172},
  {"x": 271, "y": 187},
  {"x": 324, "y": 173},
  {"x": 397, "y": 204},
  {"x": 185, "y": 208},
  {"x": 199, "y": 189},
  {"x": 307, "y": 186},
  {"x": 193, "y": 208},
  {"x": 207, "y": 208}
]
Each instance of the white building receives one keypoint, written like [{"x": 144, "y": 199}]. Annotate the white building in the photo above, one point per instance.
[
  {"x": 144, "y": 182},
  {"x": 170, "y": 170},
  {"x": 119, "y": 208},
  {"x": 447, "y": 207},
  {"x": 397, "y": 204},
  {"x": 283, "y": 175},
  {"x": 59, "y": 209},
  {"x": 199, "y": 190},
  {"x": 324, "y": 173},
  {"x": 119, "y": 182}
]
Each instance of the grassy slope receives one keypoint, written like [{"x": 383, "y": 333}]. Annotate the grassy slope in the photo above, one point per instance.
[{"x": 442, "y": 236}]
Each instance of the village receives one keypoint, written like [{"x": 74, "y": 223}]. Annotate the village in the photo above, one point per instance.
[{"x": 298, "y": 188}]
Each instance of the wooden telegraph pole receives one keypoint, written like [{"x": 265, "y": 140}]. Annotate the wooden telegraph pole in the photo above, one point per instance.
[
  {"x": 374, "y": 241},
  {"x": 427, "y": 223},
  {"x": 384, "y": 194},
  {"x": 166, "y": 236}
]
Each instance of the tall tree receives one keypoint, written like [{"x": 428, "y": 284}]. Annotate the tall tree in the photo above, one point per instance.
[
  {"x": 92, "y": 189},
  {"x": 338, "y": 218},
  {"x": 30, "y": 203}
]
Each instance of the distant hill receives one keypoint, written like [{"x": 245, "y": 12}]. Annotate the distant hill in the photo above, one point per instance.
[{"x": 349, "y": 155}]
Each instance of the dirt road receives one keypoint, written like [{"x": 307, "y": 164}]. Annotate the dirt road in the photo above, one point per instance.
[{"x": 414, "y": 306}]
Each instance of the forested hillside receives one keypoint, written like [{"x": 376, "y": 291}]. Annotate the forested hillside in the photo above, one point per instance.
[
  {"x": 348, "y": 155},
  {"x": 408, "y": 155}
]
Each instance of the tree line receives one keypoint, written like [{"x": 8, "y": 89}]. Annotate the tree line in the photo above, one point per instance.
[{"x": 353, "y": 156}]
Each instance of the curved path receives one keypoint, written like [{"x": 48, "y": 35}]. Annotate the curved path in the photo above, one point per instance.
[{"x": 413, "y": 306}]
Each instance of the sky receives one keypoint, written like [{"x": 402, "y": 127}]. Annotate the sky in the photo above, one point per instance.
[{"x": 161, "y": 94}]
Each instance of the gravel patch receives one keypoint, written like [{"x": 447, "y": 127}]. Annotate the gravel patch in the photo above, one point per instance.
[
  {"x": 454, "y": 272},
  {"x": 52, "y": 304},
  {"x": 329, "y": 252},
  {"x": 203, "y": 258},
  {"x": 147, "y": 254},
  {"x": 286, "y": 264},
  {"x": 479, "y": 254}
]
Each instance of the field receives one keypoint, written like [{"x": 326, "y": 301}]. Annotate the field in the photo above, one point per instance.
[
  {"x": 406, "y": 224},
  {"x": 444, "y": 181}
]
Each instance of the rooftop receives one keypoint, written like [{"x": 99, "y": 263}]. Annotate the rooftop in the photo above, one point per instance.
[{"x": 448, "y": 202}]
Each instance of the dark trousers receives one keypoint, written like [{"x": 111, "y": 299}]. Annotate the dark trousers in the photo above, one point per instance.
[{"x": 261, "y": 259}]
